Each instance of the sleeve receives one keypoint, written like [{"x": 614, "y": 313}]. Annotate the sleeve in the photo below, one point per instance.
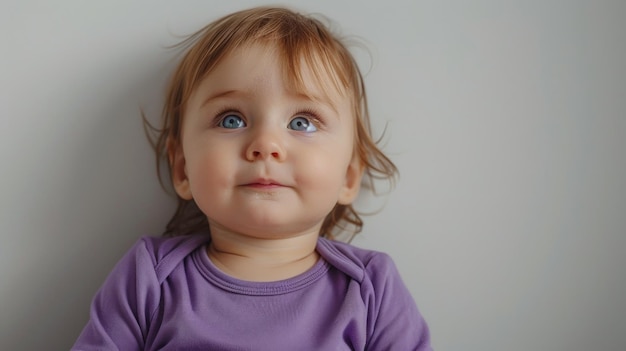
[
  {"x": 121, "y": 310},
  {"x": 394, "y": 322}
]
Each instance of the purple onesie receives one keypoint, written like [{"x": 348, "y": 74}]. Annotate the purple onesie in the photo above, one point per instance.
[{"x": 165, "y": 294}]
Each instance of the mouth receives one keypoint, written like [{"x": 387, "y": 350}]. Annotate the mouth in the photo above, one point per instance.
[{"x": 263, "y": 184}]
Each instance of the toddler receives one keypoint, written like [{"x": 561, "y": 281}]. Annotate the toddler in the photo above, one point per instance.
[{"x": 267, "y": 137}]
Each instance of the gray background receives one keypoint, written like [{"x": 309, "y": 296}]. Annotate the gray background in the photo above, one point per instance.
[{"x": 506, "y": 118}]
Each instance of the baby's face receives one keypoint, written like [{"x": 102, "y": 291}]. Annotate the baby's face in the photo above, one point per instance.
[{"x": 261, "y": 159}]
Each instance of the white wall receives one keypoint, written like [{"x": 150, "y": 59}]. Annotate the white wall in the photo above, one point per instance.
[{"x": 506, "y": 118}]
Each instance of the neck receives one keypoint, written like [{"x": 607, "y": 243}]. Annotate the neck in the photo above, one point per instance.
[{"x": 259, "y": 259}]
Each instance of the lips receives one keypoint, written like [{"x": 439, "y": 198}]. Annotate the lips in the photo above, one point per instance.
[{"x": 263, "y": 183}]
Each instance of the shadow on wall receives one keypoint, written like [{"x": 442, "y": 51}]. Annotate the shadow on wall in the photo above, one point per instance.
[{"x": 87, "y": 215}]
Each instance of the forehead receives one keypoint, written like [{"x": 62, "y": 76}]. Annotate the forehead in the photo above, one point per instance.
[{"x": 261, "y": 64}]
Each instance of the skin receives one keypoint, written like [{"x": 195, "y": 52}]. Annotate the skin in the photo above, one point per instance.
[{"x": 266, "y": 164}]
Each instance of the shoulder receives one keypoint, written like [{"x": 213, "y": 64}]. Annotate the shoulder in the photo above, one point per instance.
[
  {"x": 161, "y": 248},
  {"x": 122, "y": 310},
  {"x": 360, "y": 264},
  {"x": 165, "y": 253},
  {"x": 393, "y": 320}
]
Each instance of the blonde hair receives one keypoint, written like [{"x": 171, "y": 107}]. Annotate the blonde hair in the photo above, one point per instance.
[{"x": 299, "y": 40}]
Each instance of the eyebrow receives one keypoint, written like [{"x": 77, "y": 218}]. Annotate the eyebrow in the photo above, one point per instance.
[
  {"x": 223, "y": 94},
  {"x": 319, "y": 100},
  {"x": 300, "y": 95}
]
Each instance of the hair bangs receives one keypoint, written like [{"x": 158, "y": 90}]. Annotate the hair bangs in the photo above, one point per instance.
[{"x": 301, "y": 42}]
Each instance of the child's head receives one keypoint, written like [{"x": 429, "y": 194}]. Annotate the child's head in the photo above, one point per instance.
[{"x": 313, "y": 65}]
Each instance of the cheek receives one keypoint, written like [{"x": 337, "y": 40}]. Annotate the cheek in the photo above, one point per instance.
[
  {"x": 208, "y": 168},
  {"x": 324, "y": 169}
]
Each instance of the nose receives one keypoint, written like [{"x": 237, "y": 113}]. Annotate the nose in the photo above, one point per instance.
[{"x": 265, "y": 145}]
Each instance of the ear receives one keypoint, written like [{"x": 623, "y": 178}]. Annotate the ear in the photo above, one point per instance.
[
  {"x": 178, "y": 169},
  {"x": 352, "y": 184}
]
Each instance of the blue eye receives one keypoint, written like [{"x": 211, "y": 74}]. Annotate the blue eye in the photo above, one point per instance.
[
  {"x": 232, "y": 122},
  {"x": 302, "y": 124}
]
